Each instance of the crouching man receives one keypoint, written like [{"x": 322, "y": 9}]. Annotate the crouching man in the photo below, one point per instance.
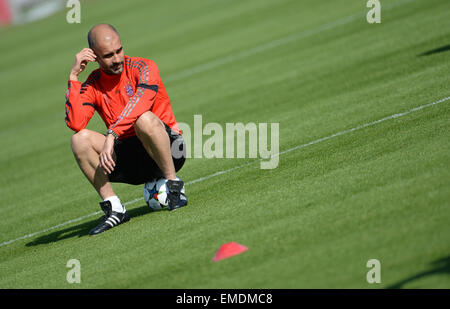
[{"x": 142, "y": 141}]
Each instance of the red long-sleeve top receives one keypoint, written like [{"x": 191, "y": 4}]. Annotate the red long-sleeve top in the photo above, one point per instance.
[{"x": 119, "y": 99}]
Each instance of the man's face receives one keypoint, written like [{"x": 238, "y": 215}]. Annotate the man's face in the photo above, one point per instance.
[{"x": 110, "y": 55}]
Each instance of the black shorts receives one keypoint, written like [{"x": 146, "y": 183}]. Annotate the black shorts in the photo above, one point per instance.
[{"x": 135, "y": 166}]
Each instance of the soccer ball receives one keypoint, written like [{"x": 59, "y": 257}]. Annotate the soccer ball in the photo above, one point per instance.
[{"x": 155, "y": 194}]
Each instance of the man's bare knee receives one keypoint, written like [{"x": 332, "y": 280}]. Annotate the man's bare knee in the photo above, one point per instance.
[
  {"x": 147, "y": 123},
  {"x": 81, "y": 141}
]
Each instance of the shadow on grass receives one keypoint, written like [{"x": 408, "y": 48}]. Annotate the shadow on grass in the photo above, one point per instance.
[
  {"x": 436, "y": 50},
  {"x": 441, "y": 266},
  {"x": 82, "y": 229}
]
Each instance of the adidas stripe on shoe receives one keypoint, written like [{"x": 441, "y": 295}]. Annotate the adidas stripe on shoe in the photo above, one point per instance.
[{"x": 110, "y": 219}]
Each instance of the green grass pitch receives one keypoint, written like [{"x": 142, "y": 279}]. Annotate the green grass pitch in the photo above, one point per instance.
[{"x": 315, "y": 67}]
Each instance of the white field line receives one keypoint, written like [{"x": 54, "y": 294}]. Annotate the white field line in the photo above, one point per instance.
[
  {"x": 369, "y": 124},
  {"x": 364, "y": 125},
  {"x": 277, "y": 43}
]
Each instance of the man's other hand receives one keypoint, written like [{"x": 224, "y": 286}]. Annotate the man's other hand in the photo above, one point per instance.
[
  {"x": 81, "y": 60},
  {"x": 106, "y": 156}
]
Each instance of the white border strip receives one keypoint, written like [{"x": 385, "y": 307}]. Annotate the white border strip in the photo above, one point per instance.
[{"x": 244, "y": 165}]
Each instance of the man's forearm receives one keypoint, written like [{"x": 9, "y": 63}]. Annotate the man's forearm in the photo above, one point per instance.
[
  {"x": 73, "y": 77},
  {"x": 77, "y": 115}
]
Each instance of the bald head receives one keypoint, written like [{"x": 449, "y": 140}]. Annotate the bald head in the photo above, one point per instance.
[
  {"x": 104, "y": 40},
  {"x": 102, "y": 34}
]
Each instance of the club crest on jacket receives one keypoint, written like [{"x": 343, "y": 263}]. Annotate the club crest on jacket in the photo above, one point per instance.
[{"x": 129, "y": 90}]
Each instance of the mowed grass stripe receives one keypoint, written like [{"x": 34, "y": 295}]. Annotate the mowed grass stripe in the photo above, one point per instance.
[
  {"x": 274, "y": 44},
  {"x": 290, "y": 241},
  {"x": 244, "y": 165}
]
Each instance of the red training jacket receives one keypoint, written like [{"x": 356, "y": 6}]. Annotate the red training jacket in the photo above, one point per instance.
[{"x": 119, "y": 99}]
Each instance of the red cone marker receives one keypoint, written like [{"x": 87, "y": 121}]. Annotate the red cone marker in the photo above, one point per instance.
[{"x": 228, "y": 250}]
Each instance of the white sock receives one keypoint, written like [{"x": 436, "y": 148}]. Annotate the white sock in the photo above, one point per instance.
[{"x": 116, "y": 204}]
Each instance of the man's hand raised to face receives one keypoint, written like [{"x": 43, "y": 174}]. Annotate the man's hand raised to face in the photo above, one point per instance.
[{"x": 81, "y": 60}]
